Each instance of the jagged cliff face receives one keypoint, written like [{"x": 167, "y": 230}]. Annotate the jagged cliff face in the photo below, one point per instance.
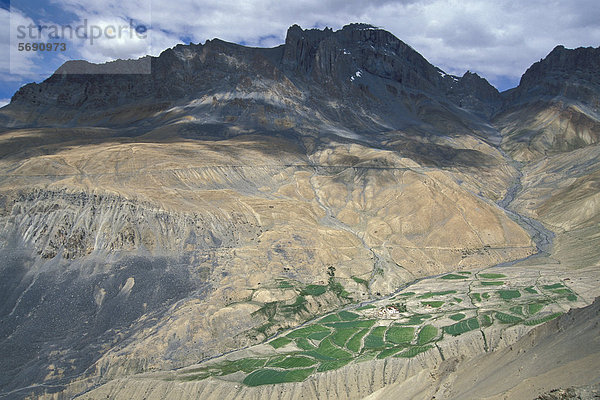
[
  {"x": 555, "y": 108},
  {"x": 148, "y": 220}
]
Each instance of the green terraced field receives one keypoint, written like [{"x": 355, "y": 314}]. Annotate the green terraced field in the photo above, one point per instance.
[
  {"x": 492, "y": 283},
  {"x": 341, "y": 336},
  {"x": 390, "y": 352},
  {"x": 304, "y": 344},
  {"x": 244, "y": 364},
  {"x": 541, "y": 320},
  {"x": 284, "y": 285},
  {"x": 534, "y": 308},
  {"x": 374, "y": 340},
  {"x": 509, "y": 294},
  {"x": 294, "y": 362},
  {"x": 330, "y": 318},
  {"x": 271, "y": 376},
  {"x": 355, "y": 341},
  {"x": 313, "y": 290},
  {"x": 517, "y": 310},
  {"x": 434, "y": 294},
  {"x": 307, "y": 330},
  {"x": 328, "y": 351},
  {"x": 318, "y": 335},
  {"x": 453, "y": 276},
  {"x": 566, "y": 292},
  {"x": 492, "y": 276},
  {"x": 427, "y": 334},
  {"x": 360, "y": 281},
  {"x": 346, "y": 336},
  {"x": 363, "y": 323},
  {"x": 457, "y": 316},
  {"x": 463, "y": 326},
  {"x": 507, "y": 318},
  {"x": 400, "y": 334},
  {"x": 553, "y": 286},
  {"x": 531, "y": 290},
  {"x": 413, "y": 351},
  {"x": 348, "y": 316},
  {"x": 330, "y": 365}
]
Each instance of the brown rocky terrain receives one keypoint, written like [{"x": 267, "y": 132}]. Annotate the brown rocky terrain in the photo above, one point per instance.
[{"x": 148, "y": 222}]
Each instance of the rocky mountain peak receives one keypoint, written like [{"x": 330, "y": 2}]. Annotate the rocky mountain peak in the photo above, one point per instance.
[
  {"x": 571, "y": 73},
  {"x": 329, "y": 55},
  {"x": 563, "y": 62}
]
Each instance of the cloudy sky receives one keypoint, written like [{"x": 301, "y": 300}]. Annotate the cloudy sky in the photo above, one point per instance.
[{"x": 498, "y": 39}]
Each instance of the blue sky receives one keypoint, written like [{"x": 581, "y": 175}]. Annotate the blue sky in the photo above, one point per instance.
[{"x": 497, "y": 39}]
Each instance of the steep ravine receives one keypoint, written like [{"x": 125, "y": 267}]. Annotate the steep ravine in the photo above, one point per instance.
[{"x": 541, "y": 236}]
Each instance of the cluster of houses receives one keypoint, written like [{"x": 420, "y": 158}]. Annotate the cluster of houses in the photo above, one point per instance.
[{"x": 388, "y": 312}]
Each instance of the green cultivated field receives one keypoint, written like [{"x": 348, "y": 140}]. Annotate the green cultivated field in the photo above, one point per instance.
[
  {"x": 329, "y": 365},
  {"x": 507, "y": 318},
  {"x": 492, "y": 276},
  {"x": 413, "y": 351},
  {"x": 307, "y": 331},
  {"x": 348, "y": 316},
  {"x": 554, "y": 286},
  {"x": 531, "y": 290},
  {"x": 304, "y": 344},
  {"x": 400, "y": 334},
  {"x": 375, "y": 339},
  {"x": 427, "y": 334},
  {"x": 453, "y": 276},
  {"x": 294, "y": 362},
  {"x": 271, "y": 376},
  {"x": 458, "y": 316},
  {"x": 341, "y": 336},
  {"x": 330, "y": 318},
  {"x": 534, "y": 308},
  {"x": 352, "y": 324},
  {"x": 541, "y": 320},
  {"x": 390, "y": 352},
  {"x": 313, "y": 290},
  {"x": 509, "y": 294},
  {"x": 353, "y": 335},
  {"x": 280, "y": 342},
  {"x": 355, "y": 342},
  {"x": 492, "y": 283},
  {"x": 461, "y": 327}
]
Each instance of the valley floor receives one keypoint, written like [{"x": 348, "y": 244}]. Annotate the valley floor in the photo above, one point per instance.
[{"x": 448, "y": 336}]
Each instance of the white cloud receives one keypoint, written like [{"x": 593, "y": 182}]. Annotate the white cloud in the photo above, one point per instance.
[
  {"x": 495, "y": 38},
  {"x": 16, "y": 65},
  {"x": 498, "y": 39},
  {"x": 4, "y": 102}
]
